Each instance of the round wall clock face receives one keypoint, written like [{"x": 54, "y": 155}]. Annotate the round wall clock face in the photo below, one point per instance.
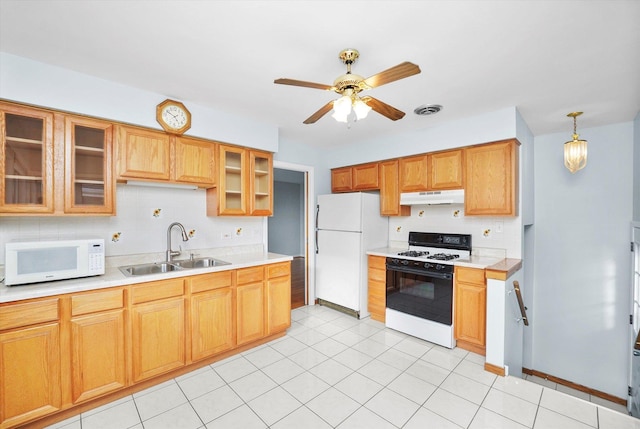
[{"x": 173, "y": 116}]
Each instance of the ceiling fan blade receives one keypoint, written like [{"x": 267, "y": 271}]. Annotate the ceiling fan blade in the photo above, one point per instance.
[
  {"x": 284, "y": 81},
  {"x": 383, "y": 108},
  {"x": 398, "y": 72},
  {"x": 320, "y": 113}
]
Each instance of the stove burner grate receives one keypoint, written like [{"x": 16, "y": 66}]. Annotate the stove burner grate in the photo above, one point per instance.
[
  {"x": 443, "y": 256},
  {"x": 413, "y": 253}
]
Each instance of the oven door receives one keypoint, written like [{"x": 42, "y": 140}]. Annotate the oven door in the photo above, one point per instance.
[{"x": 424, "y": 294}]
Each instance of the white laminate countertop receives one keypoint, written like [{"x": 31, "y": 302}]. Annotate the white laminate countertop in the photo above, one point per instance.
[
  {"x": 474, "y": 261},
  {"x": 113, "y": 277}
]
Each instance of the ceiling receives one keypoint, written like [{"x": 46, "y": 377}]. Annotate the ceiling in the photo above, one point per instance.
[{"x": 547, "y": 58}]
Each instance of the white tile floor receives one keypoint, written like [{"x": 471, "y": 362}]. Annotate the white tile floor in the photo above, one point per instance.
[{"x": 334, "y": 371}]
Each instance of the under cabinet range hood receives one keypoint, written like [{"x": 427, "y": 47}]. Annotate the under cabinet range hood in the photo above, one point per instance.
[{"x": 455, "y": 196}]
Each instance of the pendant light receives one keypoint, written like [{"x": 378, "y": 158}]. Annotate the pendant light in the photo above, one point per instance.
[{"x": 575, "y": 151}]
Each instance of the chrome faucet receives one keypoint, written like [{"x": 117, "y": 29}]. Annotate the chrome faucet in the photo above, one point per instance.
[{"x": 185, "y": 237}]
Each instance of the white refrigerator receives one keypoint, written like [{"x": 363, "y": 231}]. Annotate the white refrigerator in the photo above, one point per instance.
[{"x": 347, "y": 225}]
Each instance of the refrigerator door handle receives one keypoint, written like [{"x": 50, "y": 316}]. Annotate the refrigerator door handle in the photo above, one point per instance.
[{"x": 317, "y": 216}]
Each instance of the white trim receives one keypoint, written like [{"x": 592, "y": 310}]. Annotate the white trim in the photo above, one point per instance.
[{"x": 309, "y": 214}]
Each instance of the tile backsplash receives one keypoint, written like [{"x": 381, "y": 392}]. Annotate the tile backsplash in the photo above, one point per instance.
[
  {"x": 487, "y": 232},
  {"x": 140, "y": 226}
]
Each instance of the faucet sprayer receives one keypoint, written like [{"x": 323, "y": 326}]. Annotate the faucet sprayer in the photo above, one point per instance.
[{"x": 171, "y": 253}]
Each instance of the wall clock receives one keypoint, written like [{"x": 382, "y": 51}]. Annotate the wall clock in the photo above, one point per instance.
[{"x": 173, "y": 117}]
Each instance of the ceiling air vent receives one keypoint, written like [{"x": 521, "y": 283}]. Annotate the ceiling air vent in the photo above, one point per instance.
[{"x": 427, "y": 109}]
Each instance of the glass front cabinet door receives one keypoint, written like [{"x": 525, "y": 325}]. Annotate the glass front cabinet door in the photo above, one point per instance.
[
  {"x": 88, "y": 166},
  {"x": 26, "y": 160}
]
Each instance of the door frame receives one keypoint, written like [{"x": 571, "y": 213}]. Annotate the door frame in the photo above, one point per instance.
[{"x": 309, "y": 229}]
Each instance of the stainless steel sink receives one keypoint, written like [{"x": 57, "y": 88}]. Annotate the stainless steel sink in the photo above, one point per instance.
[
  {"x": 146, "y": 269},
  {"x": 165, "y": 267},
  {"x": 200, "y": 263}
]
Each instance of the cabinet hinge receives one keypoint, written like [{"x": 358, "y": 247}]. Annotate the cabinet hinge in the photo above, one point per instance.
[
  {"x": 629, "y": 390},
  {"x": 631, "y": 248},
  {"x": 631, "y": 319}
]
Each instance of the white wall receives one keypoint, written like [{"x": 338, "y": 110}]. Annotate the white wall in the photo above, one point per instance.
[
  {"x": 44, "y": 85},
  {"x": 582, "y": 264},
  {"x": 636, "y": 169},
  {"x": 139, "y": 230}
]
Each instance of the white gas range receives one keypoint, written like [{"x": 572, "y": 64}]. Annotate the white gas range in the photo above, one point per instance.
[{"x": 420, "y": 286}]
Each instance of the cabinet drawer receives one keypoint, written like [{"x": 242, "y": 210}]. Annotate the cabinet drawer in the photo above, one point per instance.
[
  {"x": 157, "y": 290},
  {"x": 278, "y": 270},
  {"x": 469, "y": 275},
  {"x": 378, "y": 262},
  {"x": 28, "y": 313},
  {"x": 209, "y": 281},
  {"x": 250, "y": 275},
  {"x": 97, "y": 301}
]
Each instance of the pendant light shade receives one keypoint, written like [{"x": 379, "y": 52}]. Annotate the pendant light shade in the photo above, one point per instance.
[{"x": 575, "y": 150}]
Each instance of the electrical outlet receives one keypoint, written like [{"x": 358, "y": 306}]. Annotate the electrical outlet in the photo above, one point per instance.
[
  {"x": 498, "y": 226},
  {"x": 225, "y": 235}
]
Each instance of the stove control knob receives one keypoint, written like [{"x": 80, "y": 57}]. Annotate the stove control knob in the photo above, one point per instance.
[
  {"x": 439, "y": 267},
  {"x": 427, "y": 265},
  {"x": 404, "y": 262}
]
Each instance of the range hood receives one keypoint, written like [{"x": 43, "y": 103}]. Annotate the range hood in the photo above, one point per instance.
[{"x": 455, "y": 196}]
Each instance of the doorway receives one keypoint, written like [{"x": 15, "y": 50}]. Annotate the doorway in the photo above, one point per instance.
[{"x": 288, "y": 228}]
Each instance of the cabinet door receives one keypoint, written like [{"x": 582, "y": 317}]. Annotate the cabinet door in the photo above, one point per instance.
[
  {"x": 446, "y": 170},
  {"x": 211, "y": 323},
  {"x": 341, "y": 179},
  {"x": 365, "y": 177},
  {"x": 30, "y": 377},
  {"x": 261, "y": 183},
  {"x": 194, "y": 161},
  {"x": 377, "y": 277},
  {"x": 390, "y": 190},
  {"x": 232, "y": 183},
  {"x": 491, "y": 179},
  {"x": 158, "y": 337},
  {"x": 88, "y": 166},
  {"x": 250, "y": 312},
  {"x": 142, "y": 154},
  {"x": 278, "y": 304},
  {"x": 26, "y": 160},
  {"x": 470, "y": 309},
  {"x": 98, "y": 354},
  {"x": 413, "y": 173}
]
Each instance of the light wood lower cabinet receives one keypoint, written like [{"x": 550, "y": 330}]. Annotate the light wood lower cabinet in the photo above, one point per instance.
[
  {"x": 212, "y": 314},
  {"x": 157, "y": 328},
  {"x": 470, "y": 322},
  {"x": 250, "y": 304},
  {"x": 72, "y": 350},
  {"x": 377, "y": 277},
  {"x": 278, "y": 297},
  {"x": 30, "y": 361}
]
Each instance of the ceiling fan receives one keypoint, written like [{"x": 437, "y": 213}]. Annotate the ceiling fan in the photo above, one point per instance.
[{"x": 349, "y": 86}]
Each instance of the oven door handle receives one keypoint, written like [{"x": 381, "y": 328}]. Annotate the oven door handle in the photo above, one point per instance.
[{"x": 408, "y": 270}]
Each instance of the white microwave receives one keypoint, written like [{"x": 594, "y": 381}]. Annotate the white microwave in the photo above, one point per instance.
[{"x": 44, "y": 261}]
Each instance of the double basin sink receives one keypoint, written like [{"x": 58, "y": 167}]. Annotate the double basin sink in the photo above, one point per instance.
[{"x": 169, "y": 266}]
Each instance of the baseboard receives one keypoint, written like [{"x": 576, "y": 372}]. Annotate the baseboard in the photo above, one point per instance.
[
  {"x": 575, "y": 386},
  {"x": 498, "y": 370}
]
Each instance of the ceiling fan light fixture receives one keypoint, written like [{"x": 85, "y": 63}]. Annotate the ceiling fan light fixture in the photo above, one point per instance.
[
  {"x": 342, "y": 106},
  {"x": 361, "y": 108}
]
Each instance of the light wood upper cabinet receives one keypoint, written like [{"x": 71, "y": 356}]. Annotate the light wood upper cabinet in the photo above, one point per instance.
[
  {"x": 377, "y": 294},
  {"x": 413, "y": 173},
  {"x": 470, "y": 309},
  {"x": 365, "y": 177},
  {"x": 30, "y": 371},
  {"x": 194, "y": 161},
  {"x": 341, "y": 180},
  {"x": 260, "y": 183},
  {"x": 26, "y": 160},
  {"x": 390, "y": 190},
  {"x": 245, "y": 183},
  {"x": 143, "y": 154},
  {"x": 446, "y": 170},
  {"x": 88, "y": 179},
  {"x": 491, "y": 182}
]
